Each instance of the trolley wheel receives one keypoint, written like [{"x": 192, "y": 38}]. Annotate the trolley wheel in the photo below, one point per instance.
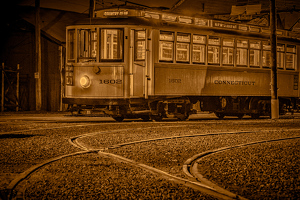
[
  {"x": 145, "y": 118},
  {"x": 220, "y": 115},
  {"x": 156, "y": 118},
  {"x": 240, "y": 116},
  {"x": 76, "y": 112},
  {"x": 254, "y": 116},
  {"x": 183, "y": 117},
  {"x": 118, "y": 119}
]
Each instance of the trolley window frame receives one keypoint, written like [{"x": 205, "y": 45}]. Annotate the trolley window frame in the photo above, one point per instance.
[
  {"x": 169, "y": 46},
  {"x": 199, "y": 48},
  {"x": 87, "y": 44},
  {"x": 71, "y": 45},
  {"x": 290, "y": 57},
  {"x": 183, "y": 44},
  {"x": 255, "y": 55},
  {"x": 280, "y": 55},
  {"x": 266, "y": 54},
  {"x": 226, "y": 47},
  {"x": 213, "y": 54},
  {"x": 139, "y": 45},
  {"x": 242, "y": 50},
  {"x": 120, "y": 46}
]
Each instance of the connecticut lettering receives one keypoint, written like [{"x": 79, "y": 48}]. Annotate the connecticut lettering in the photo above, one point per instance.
[{"x": 220, "y": 82}]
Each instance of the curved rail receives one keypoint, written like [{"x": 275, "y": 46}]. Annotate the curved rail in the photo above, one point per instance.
[
  {"x": 22, "y": 176},
  {"x": 193, "y": 183},
  {"x": 32, "y": 169},
  {"x": 190, "y": 166}
]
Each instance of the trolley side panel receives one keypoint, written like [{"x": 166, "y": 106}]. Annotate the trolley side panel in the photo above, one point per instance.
[
  {"x": 215, "y": 81},
  {"x": 179, "y": 80}
]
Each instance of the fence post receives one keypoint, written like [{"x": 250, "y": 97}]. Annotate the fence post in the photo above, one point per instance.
[
  {"x": 18, "y": 86},
  {"x": 2, "y": 89}
]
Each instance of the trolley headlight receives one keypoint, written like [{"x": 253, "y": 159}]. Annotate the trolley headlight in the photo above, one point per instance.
[{"x": 85, "y": 81}]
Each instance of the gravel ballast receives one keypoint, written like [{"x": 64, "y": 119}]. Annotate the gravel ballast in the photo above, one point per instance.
[
  {"x": 95, "y": 176},
  {"x": 263, "y": 171}
]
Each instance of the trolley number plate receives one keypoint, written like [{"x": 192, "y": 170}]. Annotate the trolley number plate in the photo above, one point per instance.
[{"x": 110, "y": 81}]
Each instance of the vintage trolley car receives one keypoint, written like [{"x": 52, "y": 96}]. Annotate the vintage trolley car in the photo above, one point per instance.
[{"x": 132, "y": 63}]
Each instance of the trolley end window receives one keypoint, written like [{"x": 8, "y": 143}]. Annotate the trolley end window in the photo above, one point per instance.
[
  {"x": 71, "y": 45},
  {"x": 112, "y": 44},
  {"x": 87, "y": 45},
  {"x": 140, "y": 45}
]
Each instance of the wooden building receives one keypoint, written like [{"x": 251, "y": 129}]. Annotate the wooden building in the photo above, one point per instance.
[{"x": 18, "y": 47}]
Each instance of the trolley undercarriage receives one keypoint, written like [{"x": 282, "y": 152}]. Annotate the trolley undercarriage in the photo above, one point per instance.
[{"x": 180, "y": 107}]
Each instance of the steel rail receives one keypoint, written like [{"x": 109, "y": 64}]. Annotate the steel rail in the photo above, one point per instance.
[
  {"x": 194, "y": 183},
  {"x": 190, "y": 167},
  {"x": 22, "y": 176}
]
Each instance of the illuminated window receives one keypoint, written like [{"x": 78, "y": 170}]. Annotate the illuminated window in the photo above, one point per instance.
[
  {"x": 71, "y": 45},
  {"x": 166, "y": 46},
  {"x": 227, "y": 51},
  {"x": 87, "y": 43},
  {"x": 280, "y": 56},
  {"x": 266, "y": 54},
  {"x": 213, "y": 50},
  {"x": 183, "y": 47},
  {"x": 199, "y": 42},
  {"x": 242, "y": 52},
  {"x": 255, "y": 53},
  {"x": 112, "y": 44},
  {"x": 140, "y": 45},
  {"x": 290, "y": 56}
]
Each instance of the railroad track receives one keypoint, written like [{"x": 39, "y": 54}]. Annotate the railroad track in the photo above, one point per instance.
[
  {"x": 190, "y": 167},
  {"x": 195, "y": 179}
]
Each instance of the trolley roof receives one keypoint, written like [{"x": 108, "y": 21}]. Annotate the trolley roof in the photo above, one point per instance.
[{"x": 129, "y": 16}]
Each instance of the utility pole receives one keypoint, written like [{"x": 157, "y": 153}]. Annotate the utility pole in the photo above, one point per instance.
[
  {"x": 274, "y": 94},
  {"x": 38, "y": 58},
  {"x": 92, "y": 8}
]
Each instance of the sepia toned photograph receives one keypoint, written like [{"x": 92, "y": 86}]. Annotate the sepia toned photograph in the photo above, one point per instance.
[{"x": 152, "y": 99}]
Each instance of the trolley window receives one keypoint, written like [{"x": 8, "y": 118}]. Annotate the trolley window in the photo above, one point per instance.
[
  {"x": 111, "y": 44},
  {"x": 290, "y": 56},
  {"x": 266, "y": 54},
  {"x": 242, "y": 52},
  {"x": 87, "y": 40},
  {"x": 183, "y": 47},
  {"x": 140, "y": 45},
  {"x": 255, "y": 53},
  {"x": 213, "y": 50},
  {"x": 280, "y": 56},
  {"x": 199, "y": 42},
  {"x": 166, "y": 46},
  {"x": 227, "y": 51},
  {"x": 71, "y": 45}
]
